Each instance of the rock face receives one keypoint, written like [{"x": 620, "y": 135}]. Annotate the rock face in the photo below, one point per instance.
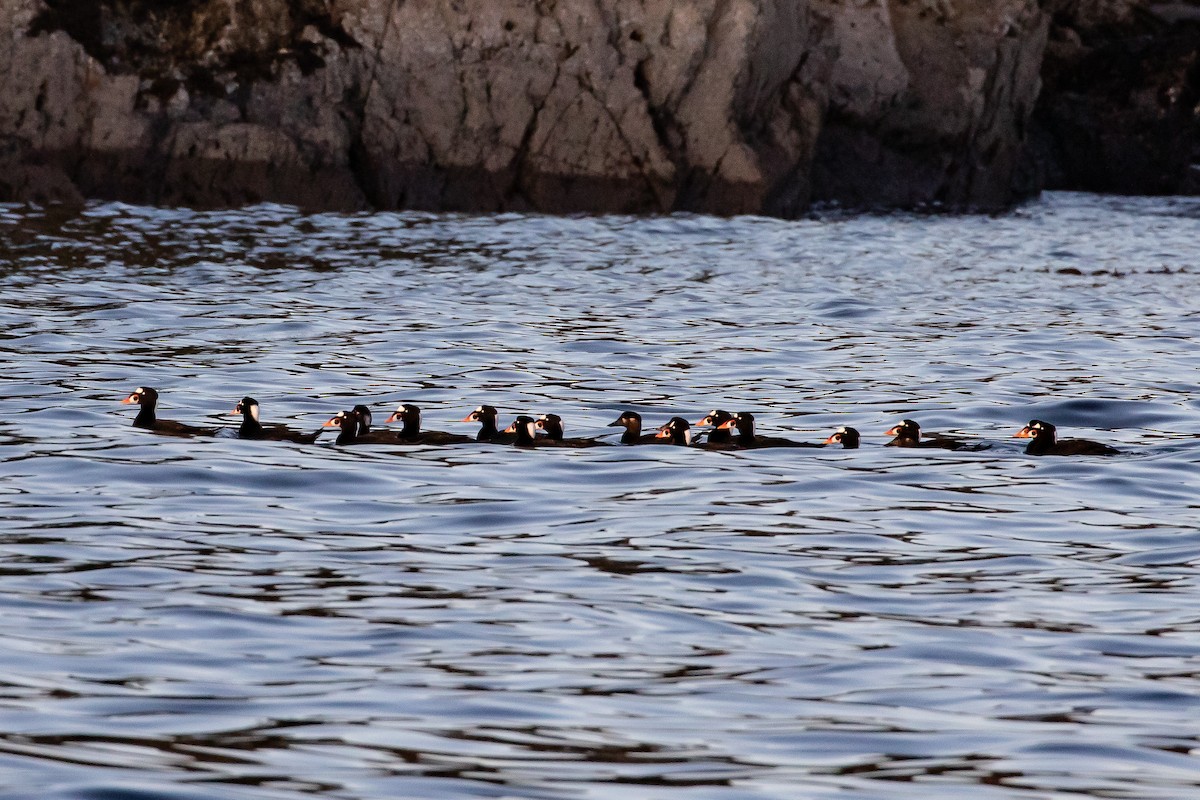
[
  {"x": 929, "y": 103},
  {"x": 1121, "y": 106},
  {"x": 723, "y": 106}
]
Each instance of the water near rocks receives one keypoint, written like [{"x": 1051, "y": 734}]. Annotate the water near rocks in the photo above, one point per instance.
[{"x": 200, "y": 618}]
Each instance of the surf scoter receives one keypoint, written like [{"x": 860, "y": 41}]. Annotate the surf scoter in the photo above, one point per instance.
[
  {"x": 411, "y": 433},
  {"x": 363, "y": 433},
  {"x": 908, "y": 434},
  {"x": 365, "y": 417},
  {"x": 347, "y": 422},
  {"x": 147, "y": 401},
  {"x": 676, "y": 431},
  {"x": 716, "y": 419},
  {"x": 524, "y": 431},
  {"x": 488, "y": 432},
  {"x": 355, "y": 427},
  {"x": 631, "y": 421},
  {"x": 1044, "y": 442},
  {"x": 743, "y": 422},
  {"x": 846, "y": 436},
  {"x": 252, "y": 427},
  {"x": 552, "y": 425}
]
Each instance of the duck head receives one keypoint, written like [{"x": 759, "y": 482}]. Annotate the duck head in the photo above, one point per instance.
[
  {"x": 846, "y": 436},
  {"x": 678, "y": 430}
]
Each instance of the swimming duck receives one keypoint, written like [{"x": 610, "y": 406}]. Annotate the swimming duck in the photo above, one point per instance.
[
  {"x": 524, "y": 431},
  {"x": 363, "y": 434},
  {"x": 552, "y": 425},
  {"x": 347, "y": 422},
  {"x": 631, "y": 421},
  {"x": 743, "y": 422},
  {"x": 1044, "y": 442},
  {"x": 908, "y": 434},
  {"x": 846, "y": 436},
  {"x": 411, "y": 433},
  {"x": 252, "y": 427},
  {"x": 676, "y": 431},
  {"x": 716, "y": 419},
  {"x": 147, "y": 400},
  {"x": 488, "y": 432}
]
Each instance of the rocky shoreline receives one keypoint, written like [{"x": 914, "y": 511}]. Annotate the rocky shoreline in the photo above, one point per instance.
[{"x": 716, "y": 106}]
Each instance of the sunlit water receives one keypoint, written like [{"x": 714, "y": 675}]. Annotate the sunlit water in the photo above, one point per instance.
[{"x": 217, "y": 618}]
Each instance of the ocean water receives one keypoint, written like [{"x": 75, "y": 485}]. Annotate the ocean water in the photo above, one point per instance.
[{"x": 194, "y": 618}]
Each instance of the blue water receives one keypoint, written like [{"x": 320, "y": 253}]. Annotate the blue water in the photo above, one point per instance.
[{"x": 212, "y": 617}]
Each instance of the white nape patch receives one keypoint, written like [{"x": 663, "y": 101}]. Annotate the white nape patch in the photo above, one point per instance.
[
  {"x": 254, "y": 411},
  {"x": 687, "y": 437}
]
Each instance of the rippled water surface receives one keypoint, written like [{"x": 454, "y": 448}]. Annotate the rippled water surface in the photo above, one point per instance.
[{"x": 219, "y": 618}]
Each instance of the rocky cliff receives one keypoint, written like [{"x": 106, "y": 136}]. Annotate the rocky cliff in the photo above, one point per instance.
[
  {"x": 724, "y": 106},
  {"x": 1120, "y": 111}
]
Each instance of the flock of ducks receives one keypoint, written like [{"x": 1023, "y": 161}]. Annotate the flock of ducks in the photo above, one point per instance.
[{"x": 725, "y": 431}]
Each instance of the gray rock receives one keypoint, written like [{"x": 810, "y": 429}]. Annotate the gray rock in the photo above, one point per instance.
[{"x": 721, "y": 106}]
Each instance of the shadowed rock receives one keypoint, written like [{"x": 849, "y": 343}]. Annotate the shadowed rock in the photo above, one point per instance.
[{"x": 1120, "y": 111}]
